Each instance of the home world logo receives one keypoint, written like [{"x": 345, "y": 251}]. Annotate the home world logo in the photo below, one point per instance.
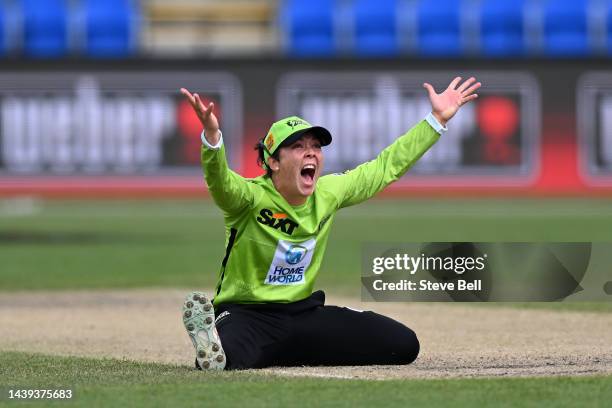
[
  {"x": 290, "y": 262},
  {"x": 295, "y": 254}
]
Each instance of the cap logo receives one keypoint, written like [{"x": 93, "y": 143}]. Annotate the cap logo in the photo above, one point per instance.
[
  {"x": 295, "y": 122},
  {"x": 269, "y": 141}
]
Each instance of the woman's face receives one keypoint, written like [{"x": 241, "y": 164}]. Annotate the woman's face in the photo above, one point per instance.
[{"x": 296, "y": 172}]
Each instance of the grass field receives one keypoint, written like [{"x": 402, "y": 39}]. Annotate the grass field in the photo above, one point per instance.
[
  {"x": 97, "y": 382},
  {"x": 118, "y": 244},
  {"x": 101, "y": 245}
]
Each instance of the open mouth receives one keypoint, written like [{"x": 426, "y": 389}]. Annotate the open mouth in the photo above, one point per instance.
[{"x": 308, "y": 173}]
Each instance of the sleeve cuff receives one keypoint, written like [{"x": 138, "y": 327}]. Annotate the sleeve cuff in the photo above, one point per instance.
[
  {"x": 208, "y": 145},
  {"x": 433, "y": 122}
]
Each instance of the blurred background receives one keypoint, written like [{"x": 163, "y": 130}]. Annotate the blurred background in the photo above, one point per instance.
[
  {"x": 99, "y": 80},
  {"x": 91, "y": 118}
]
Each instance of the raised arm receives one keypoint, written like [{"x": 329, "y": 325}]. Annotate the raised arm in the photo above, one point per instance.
[
  {"x": 230, "y": 191},
  {"x": 366, "y": 180}
]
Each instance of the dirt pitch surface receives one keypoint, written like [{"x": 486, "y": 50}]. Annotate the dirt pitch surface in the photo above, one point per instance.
[{"x": 456, "y": 340}]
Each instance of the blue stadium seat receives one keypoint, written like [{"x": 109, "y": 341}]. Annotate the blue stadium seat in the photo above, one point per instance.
[
  {"x": 309, "y": 26},
  {"x": 565, "y": 28},
  {"x": 502, "y": 28},
  {"x": 609, "y": 26},
  {"x": 439, "y": 28},
  {"x": 110, "y": 27},
  {"x": 3, "y": 45},
  {"x": 45, "y": 28},
  {"x": 376, "y": 28}
]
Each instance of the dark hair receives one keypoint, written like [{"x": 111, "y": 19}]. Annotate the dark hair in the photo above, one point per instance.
[{"x": 260, "y": 147}]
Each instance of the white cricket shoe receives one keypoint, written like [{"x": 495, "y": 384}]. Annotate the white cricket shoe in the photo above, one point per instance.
[{"x": 199, "y": 321}]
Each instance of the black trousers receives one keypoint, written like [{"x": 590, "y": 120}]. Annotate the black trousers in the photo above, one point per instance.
[{"x": 312, "y": 334}]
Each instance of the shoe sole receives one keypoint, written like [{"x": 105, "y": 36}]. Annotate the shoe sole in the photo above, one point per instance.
[{"x": 199, "y": 321}]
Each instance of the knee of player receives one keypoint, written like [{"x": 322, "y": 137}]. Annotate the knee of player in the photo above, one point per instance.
[{"x": 408, "y": 347}]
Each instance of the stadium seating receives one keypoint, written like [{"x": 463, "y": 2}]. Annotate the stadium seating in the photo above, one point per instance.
[
  {"x": 3, "y": 45},
  {"x": 375, "y": 32},
  {"x": 565, "y": 28},
  {"x": 502, "y": 28},
  {"x": 110, "y": 28},
  {"x": 309, "y": 27},
  {"x": 446, "y": 28},
  {"x": 45, "y": 26},
  {"x": 439, "y": 28},
  {"x": 608, "y": 30},
  {"x": 312, "y": 28}
]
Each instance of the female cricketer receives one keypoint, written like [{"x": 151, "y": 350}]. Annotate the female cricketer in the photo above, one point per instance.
[{"x": 277, "y": 226}]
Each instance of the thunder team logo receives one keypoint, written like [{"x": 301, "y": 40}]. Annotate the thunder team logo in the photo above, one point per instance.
[
  {"x": 295, "y": 122},
  {"x": 295, "y": 254}
]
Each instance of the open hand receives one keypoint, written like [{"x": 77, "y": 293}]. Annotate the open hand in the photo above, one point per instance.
[
  {"x": 446, "y": 104},
  {"x": 205, "y": 114}
]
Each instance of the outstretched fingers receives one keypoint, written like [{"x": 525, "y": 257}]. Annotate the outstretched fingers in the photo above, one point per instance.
[
  {"x": 471, "y": 89},
  {"x": 454, "y": 83},
  {"x": 206, "y": 110},
  {"x": 430, "y": 90},
  {"x": 209, "y": 110},
  {"x": 199, "y": 102},
  {"x": 189, "y": 97},
  {"x": 468, "y": 98},
  {"x": 465, "y": 84}
]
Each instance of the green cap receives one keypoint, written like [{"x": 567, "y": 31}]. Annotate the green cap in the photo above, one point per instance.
[{"x": 288, "y": 130}]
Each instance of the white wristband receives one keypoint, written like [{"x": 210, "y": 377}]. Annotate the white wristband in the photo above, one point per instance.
[
  {"x": 433, "y": 122},
  {"x": 208, "y": 145}
]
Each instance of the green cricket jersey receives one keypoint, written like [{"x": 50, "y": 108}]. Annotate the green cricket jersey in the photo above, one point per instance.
[{"x": 274, "y": 250}]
